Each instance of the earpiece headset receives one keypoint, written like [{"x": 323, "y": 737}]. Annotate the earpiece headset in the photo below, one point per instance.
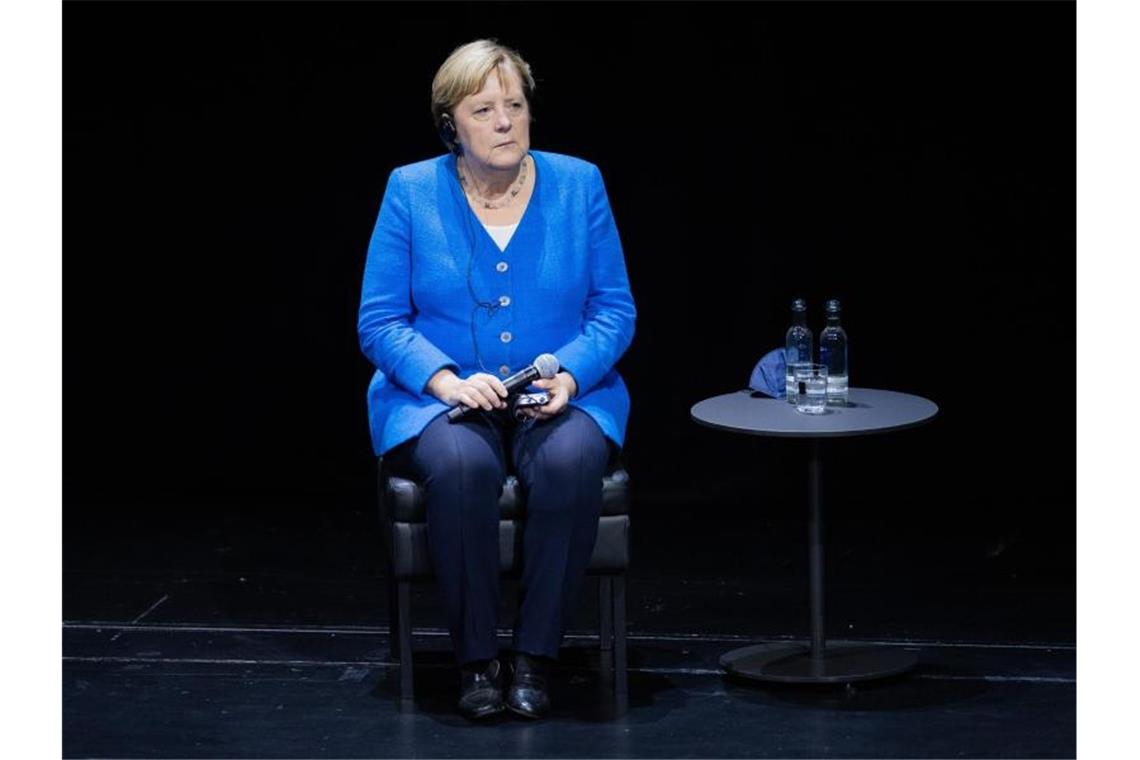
[{"x": 448, "y": 134}]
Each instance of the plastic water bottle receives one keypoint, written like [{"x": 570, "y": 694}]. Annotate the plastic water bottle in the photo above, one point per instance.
[
  {"x": 798, "y": 346},
  {"x": 833, "y": 354}
]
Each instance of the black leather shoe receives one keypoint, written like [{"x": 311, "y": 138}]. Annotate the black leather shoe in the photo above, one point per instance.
[
  {"x": 481, "y": 690},
  {"x": 527, "y": 695}
]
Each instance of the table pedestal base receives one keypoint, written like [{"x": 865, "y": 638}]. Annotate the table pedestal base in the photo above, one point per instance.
[{"x": 840, "y": 662}]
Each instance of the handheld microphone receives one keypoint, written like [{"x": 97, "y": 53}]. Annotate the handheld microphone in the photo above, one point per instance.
[{"x": 545, "y": 366}]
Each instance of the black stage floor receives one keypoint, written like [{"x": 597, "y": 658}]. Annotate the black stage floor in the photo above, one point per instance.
[{"x": 262, "y": 633}]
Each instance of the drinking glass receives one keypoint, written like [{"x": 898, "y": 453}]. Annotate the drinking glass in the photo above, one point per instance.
[{"x": 811, "y": 388}]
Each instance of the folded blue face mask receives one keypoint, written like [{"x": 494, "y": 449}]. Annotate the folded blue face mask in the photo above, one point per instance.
[{"x": 768, "y": 376}]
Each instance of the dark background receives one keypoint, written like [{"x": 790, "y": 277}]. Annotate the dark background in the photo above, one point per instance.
[{"x": 224, "y": 164}]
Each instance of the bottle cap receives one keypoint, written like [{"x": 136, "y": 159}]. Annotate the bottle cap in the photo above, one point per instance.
[
  {"x": 833, "y": 305},
  {"x": 799, "y": 305}
]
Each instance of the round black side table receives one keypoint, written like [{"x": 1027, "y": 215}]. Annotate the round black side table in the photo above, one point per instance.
[{"x": 869, "y": 411}]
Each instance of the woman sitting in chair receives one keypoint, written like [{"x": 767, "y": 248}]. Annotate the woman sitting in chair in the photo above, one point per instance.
[{"x": 481, "y": 260}]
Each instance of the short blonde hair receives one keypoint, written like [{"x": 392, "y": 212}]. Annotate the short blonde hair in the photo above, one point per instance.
[{"x": 466, "y": 70}]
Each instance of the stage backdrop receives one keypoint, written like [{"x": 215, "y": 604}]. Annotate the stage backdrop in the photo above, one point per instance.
[{"x": 224, "y": 164}]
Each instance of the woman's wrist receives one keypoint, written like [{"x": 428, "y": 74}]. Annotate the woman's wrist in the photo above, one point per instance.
[
  {"x": 570, "y": 384},
  {"x": 442, "y": 383}
]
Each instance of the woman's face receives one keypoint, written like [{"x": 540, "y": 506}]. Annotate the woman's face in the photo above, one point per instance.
[{"x": 493, "y": 125}]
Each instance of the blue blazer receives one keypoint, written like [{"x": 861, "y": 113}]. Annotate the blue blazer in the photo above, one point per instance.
[{"x": 562, "y": 282}]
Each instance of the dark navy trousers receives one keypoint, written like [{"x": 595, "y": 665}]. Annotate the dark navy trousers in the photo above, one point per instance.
[{"x": 560, "y": 463}]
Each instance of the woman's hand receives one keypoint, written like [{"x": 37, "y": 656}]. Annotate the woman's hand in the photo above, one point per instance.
[
  {"x": 562, "y": 387},
  {"x": 479, "y": 390}
]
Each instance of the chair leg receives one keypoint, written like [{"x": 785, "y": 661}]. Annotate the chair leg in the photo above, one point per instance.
[
  {"x": 606, "y": 626},
  {"x": 393, "y": 619},
  {"x": 404, "y": 638},
  {"x": 621, "y": 684}
]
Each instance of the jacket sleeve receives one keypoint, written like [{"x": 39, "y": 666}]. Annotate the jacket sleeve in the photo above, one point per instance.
[
  {"x": 387, "y": 335},
  {"x": 609, "y": 314}
]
